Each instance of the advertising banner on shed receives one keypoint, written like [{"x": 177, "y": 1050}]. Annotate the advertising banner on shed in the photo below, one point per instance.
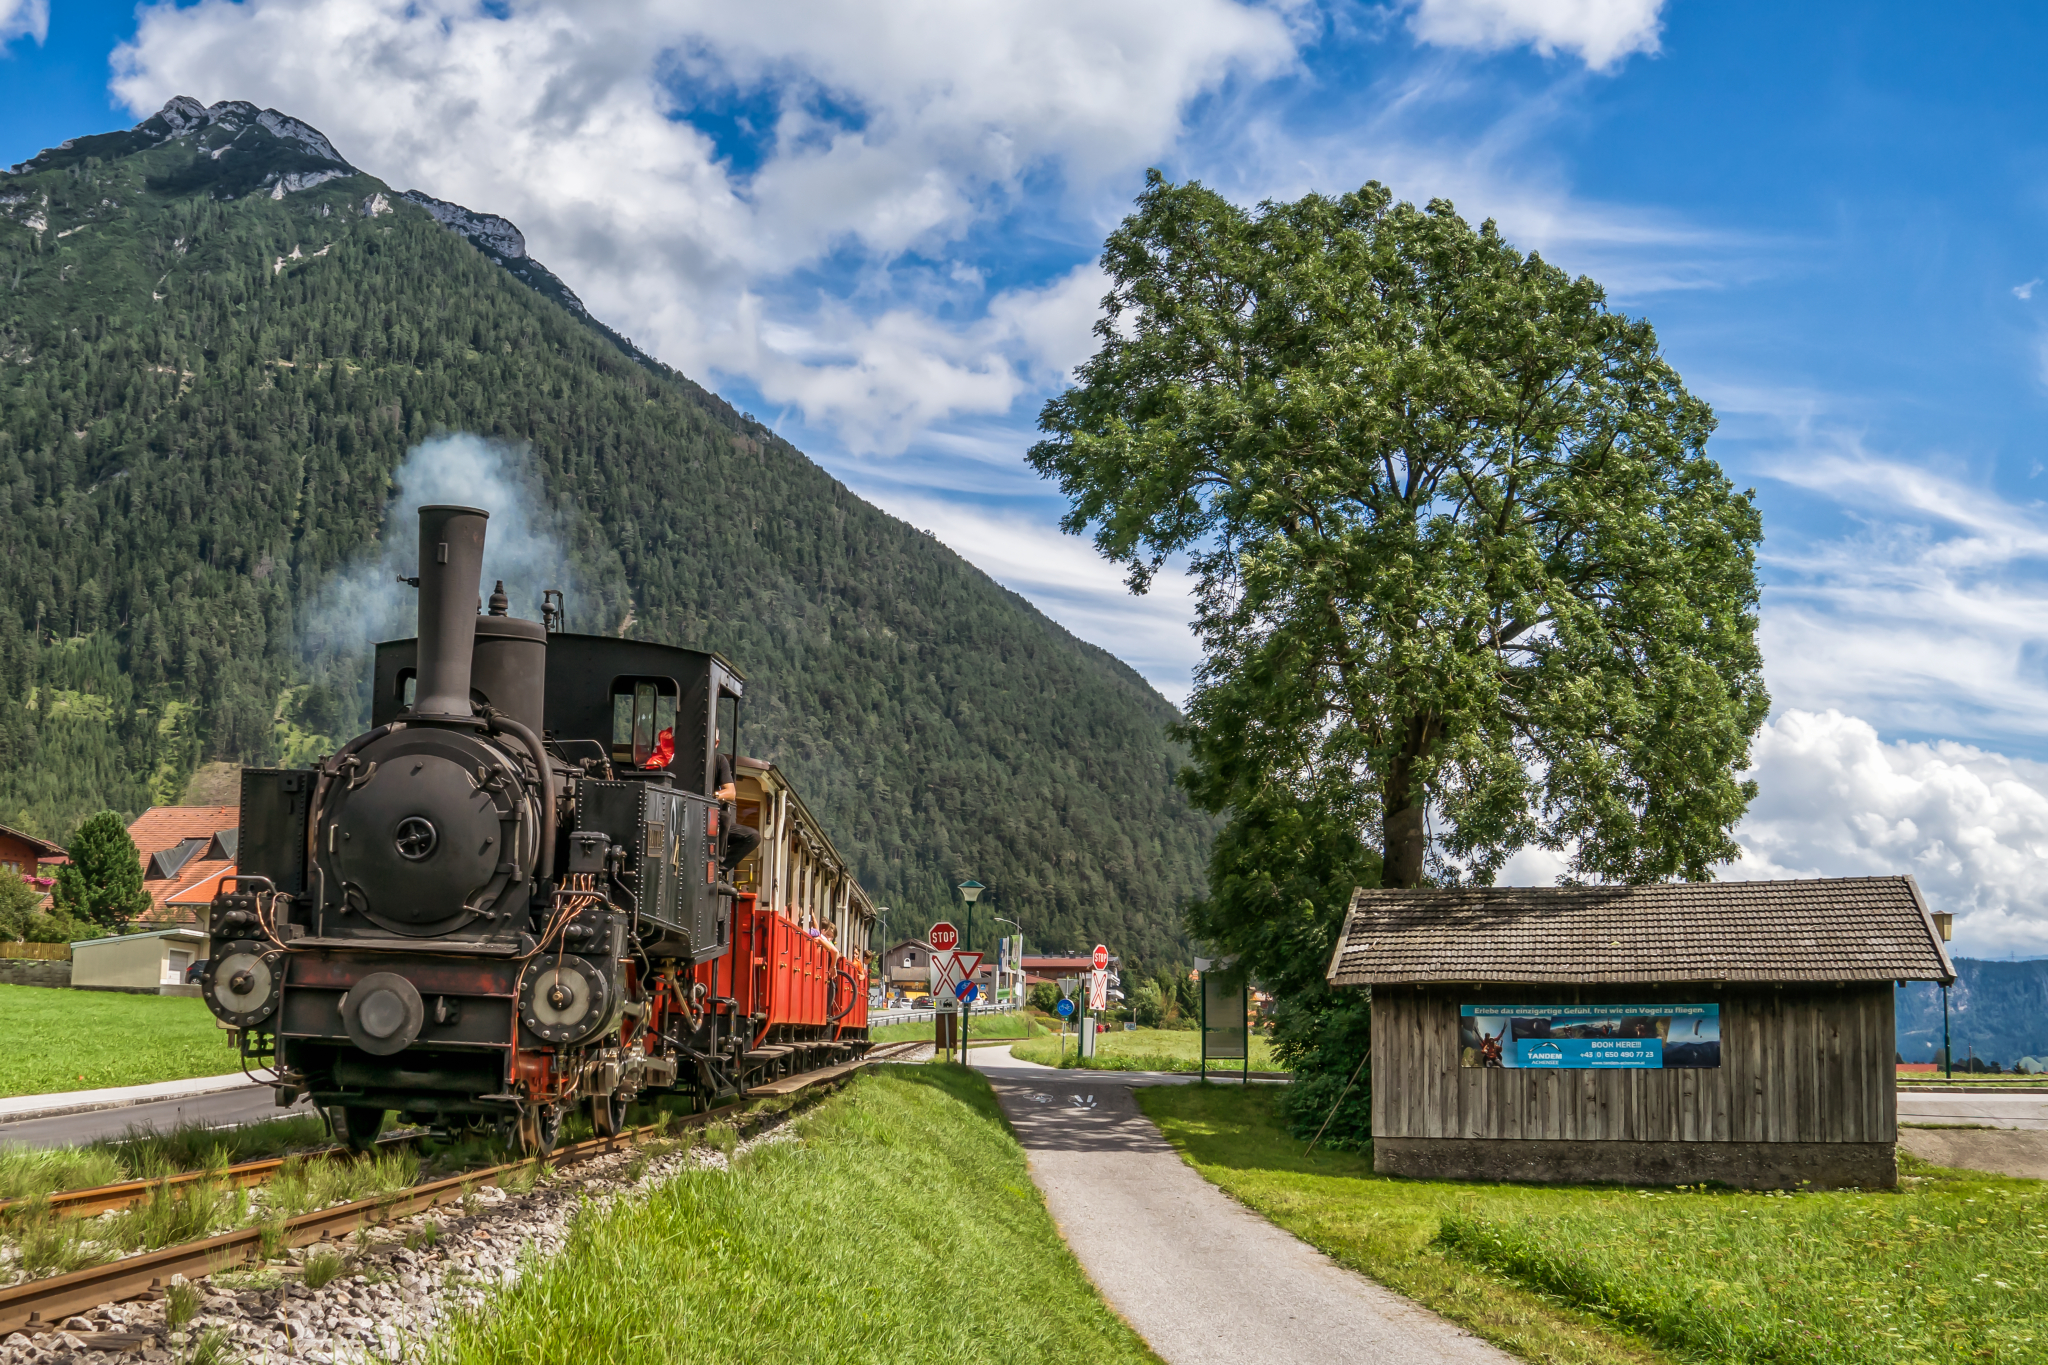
[{"x": 1589, "y": 1037}]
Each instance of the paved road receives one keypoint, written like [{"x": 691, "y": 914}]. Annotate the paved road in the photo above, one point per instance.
[
  {"x": 224, "y": 1109},
  {"x": 1217, "y": 1283},
  {"x": 1999, "y": 1111}
]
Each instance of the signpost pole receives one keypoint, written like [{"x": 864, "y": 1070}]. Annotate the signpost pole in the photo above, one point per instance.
[
  {"x": 1204, "y": 993},
  {"x": 970, "y": 891}
]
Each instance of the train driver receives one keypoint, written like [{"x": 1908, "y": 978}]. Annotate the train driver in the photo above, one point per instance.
[{"x": 740, "y": 840}]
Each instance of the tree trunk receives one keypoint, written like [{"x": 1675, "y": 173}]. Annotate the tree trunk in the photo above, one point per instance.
[{"x": 1404, "y": 847}]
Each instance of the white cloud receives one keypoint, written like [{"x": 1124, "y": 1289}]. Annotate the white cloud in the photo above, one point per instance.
[
  {"x": 24, "y": 19},
  {"x": 2026, "y": 291},
  {"x": 1969, "y": 824},
  {"x": 1836, "y": 800},
  {"x": 1929, "y": 614},
  {"x": 1602, "y": 32},
  {"x": 889, "y": 135}
]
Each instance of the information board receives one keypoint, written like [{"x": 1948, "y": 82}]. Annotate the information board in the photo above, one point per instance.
[
  {"x": 1223, "y": 1016},
  {"x": 1589, "y": 1037}
]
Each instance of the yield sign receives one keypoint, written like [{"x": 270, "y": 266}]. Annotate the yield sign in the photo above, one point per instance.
[
  {"x": 950, "y": 969},
  {"x": 965, "y": 965}
]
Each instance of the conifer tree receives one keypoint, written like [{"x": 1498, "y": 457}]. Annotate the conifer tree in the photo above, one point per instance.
[{"x": 102, "y": 883}]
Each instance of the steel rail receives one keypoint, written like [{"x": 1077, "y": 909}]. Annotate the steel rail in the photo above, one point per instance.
[
  {"x": 83, "y": 1203},
  {"x": 38, "y": 1305}
]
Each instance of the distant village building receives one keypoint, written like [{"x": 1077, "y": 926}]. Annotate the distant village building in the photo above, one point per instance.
[
  {"x": 1037, "y": 969},
  {"x": 1739, "y": 1032},
  {"x": 151, "y": 963},
  {"x": 907, "y": 966},
  {"x": 33, "y": 860},
  {"x": 185, "y": 852}
]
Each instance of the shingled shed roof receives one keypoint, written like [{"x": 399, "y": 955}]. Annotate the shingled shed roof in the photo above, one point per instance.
[{"x": 1837, "y": 929}]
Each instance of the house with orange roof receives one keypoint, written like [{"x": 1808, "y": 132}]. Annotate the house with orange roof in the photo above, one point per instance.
[
  {"x": 23, "y": 854},
  {"x": 185, "y": 852}
]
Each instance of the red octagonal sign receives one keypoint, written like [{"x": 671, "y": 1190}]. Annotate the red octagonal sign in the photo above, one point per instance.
[
  {"x": 1101, "y": 958},
  {"x": 944, "y": 937}
]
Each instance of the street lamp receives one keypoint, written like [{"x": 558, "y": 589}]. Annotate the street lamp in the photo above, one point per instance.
[
  {"x": 882, "y": 953},
  {"x": 970, "y": 891},
  {"x": 1944, "y": 924}
]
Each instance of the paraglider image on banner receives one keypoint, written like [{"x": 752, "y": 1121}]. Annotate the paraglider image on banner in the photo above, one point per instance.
[{"x": 1589, "y": 1037}]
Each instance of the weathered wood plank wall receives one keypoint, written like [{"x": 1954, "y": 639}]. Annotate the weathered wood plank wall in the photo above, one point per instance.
[{"x": 1798, "y": 1064}]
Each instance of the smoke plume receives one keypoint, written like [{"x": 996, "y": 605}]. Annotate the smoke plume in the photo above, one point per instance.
[{"x": 365, "y": 603}]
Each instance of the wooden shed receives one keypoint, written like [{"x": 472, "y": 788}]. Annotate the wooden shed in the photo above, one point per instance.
[{"x": 1738, "y": 1032}]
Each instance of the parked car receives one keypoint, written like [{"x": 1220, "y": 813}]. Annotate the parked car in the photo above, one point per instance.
[{"x": 195, "y": 971}]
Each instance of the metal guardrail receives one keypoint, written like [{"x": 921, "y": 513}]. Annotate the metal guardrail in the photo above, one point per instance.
[{"x": 879, "y": 1017}]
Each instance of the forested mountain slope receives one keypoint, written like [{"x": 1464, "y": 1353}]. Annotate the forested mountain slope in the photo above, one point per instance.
[
  {"x": 218, "y": 341},
  {"x": 1996, "y": 1010}
]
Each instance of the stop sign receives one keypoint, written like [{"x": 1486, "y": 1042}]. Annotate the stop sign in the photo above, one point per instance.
[
  {"x": 1101, "y": 958},
  {"x": 944, "y": 937}
]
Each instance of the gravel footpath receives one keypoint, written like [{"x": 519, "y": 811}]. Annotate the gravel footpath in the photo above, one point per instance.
[
  {"x": 1202, "y": 1278},
  {"x": 395, "y": 1296}
]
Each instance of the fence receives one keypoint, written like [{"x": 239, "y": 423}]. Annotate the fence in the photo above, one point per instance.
[{"x": 50, "y": 952}]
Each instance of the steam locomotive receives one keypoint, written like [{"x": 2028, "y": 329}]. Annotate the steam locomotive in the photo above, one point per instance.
[{"x": 509, "y": 898}]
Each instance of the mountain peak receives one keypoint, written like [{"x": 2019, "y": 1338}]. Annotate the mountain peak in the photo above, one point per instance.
[
  {"x": 250, "y": 149},
  {"x": 183, "y": 115}
]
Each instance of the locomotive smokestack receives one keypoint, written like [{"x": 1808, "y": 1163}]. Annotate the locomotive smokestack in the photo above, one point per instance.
[{"x": 451, "y": 569}]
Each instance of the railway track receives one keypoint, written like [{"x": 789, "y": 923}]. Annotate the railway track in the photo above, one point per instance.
[
  {"x": 38, "y": 1305},
  {"x": 95, "y": 1199}
]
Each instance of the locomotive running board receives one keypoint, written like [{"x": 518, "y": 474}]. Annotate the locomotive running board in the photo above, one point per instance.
[
  {"x": 426, "y": 947},
  {"x": 790, "y": 1085}
]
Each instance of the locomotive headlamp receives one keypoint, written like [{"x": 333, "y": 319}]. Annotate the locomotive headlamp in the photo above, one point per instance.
[
  {"x": 565, "y": 999},
  {"x": 241, "y": 982}
]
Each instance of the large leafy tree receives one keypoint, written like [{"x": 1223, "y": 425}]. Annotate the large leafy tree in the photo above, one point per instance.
[
  {"x": 103, "y": 881},
  {"x": 1467, "y": 577}
]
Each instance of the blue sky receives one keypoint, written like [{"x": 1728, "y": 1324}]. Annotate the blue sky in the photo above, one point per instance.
[{"x": 876, "y": 229}]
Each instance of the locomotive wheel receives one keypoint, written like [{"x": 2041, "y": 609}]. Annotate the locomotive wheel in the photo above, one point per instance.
[
  {"x": 359, "y": 1126},
  {"x": 608, "y": 1114},
  {"x": 538, "y": 1129}
]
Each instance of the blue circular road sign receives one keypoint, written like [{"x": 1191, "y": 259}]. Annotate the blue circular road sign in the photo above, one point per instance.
[{"x": 1065, "y": 1008}]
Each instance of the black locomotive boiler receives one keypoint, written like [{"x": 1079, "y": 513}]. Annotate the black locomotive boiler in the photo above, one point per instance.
[{"x": 509, "y": 896}]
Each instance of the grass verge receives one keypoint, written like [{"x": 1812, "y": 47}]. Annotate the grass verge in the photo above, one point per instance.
[
  {"x": 804, "y": 1251},
  {"x": 1142, "y": 1049},
  {"x": 1950, "y": 1267},
  {"x": 88, "y": 1040},
  {"x": 983, "y": 1026},
  {"x": 147, "y": 1153},
  {"x": 49, "y": 1245}
]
